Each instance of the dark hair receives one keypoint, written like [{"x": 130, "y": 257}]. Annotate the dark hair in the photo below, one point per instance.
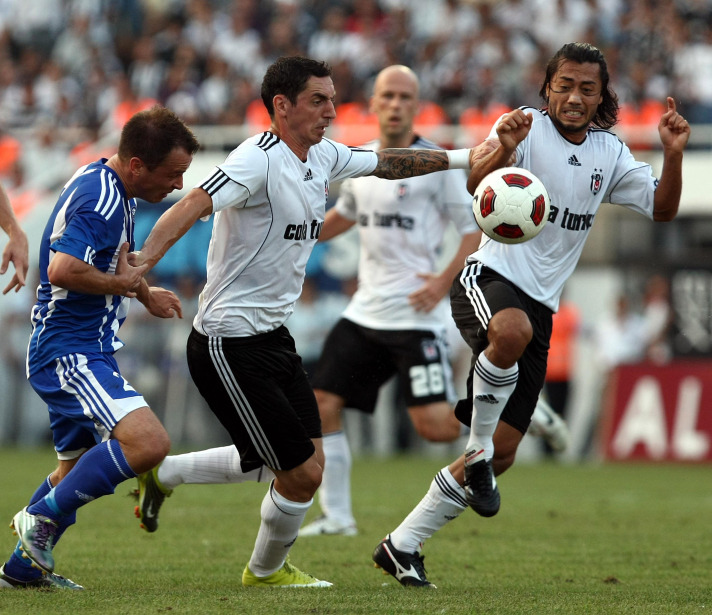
[
  {"x": 153, "y": 134},
  {"x": 607, "y": 112},
  {"x": 288, "y": 76}
]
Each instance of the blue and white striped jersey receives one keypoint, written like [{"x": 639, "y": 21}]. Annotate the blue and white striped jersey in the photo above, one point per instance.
[{"x": 90, "y": 221}]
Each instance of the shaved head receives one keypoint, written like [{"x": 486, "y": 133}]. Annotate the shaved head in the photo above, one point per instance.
[{"x": 395, "y": 102}]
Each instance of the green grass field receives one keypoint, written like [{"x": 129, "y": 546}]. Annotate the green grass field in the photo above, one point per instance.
[{"x": 569, "y": 539}]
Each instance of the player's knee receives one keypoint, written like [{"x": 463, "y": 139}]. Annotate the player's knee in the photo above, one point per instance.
[
  {"x": 153, "y": 451},
  {"x": 436, "y": 426},
  {"x": 509, "y": 343}
]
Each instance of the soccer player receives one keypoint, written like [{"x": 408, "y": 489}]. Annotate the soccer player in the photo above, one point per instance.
[
  {"x": 104, "y": 432},
  {"x": 504, "y": 298},
  {"x": 269, "y": 200},
  {"x": 395, "y": 322},
  {"x": 16, "y": 250}
]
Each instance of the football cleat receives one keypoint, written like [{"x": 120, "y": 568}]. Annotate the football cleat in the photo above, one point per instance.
[
  {"x": 151, "y": 495},
  {"x": 46, "y": 581},
  {"x": 407, "y": 568},
  {"x": 36, "y": 534},
  {"x": 481, "y": 491},
  {"x": 286, "y": 576},
  {"x": 548, "y": 424},
  {"x": 323, "y": 526}
]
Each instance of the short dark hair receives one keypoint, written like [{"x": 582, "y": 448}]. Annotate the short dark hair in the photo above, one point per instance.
[
  {"x": 153, "y": 134},
  {"x": 607, "y": 112},
  {"x": 288, "y": 76}
]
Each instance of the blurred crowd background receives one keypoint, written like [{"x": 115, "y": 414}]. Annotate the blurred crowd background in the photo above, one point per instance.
[{"x": 73, "y": 71}]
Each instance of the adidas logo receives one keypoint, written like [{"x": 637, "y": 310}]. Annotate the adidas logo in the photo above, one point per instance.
[
  {"x": 487, "y": 398},
  {"x": 573, "y": 161},
  {"x": 308, "y": 176}
]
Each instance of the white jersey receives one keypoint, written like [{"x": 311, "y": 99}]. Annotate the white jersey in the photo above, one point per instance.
[
  {"x": 401, "y": 225},
  {"x": 269, "y": 209},
  {"x": 578, "y": 177}
]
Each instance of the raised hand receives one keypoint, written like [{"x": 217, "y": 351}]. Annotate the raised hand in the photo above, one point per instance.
[{"x": 673, "y": 129}]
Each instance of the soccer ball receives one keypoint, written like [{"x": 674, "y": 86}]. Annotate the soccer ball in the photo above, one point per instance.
[{"x": 511, "y": 205}]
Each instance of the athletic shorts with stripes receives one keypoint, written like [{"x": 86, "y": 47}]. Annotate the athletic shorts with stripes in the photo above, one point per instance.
[
  {"x": 86, "y": 397},
  {"x": 257, "y": 388},
  {"x": 356, "y": 361},
  {"x": 477, "y": 294}
]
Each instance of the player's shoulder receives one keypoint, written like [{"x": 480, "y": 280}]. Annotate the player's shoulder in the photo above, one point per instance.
[
  {"x": 423, "y": 143},
  {"x": 262, "y": 143}
]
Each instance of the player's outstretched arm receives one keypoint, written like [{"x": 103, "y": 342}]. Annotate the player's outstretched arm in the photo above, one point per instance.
[
  {"x": 172, "y": 225},
  {"x": 334, "y": 224}
]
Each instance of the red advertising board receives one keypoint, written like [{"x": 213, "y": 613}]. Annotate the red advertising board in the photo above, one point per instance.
[{"x": 659, "y": 413}]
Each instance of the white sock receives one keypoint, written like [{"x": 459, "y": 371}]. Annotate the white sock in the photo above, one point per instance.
[
  {"x": 211, "y": 466},
  {"x": 281, "y": 520},
  {"x": 335, "y": 489},
  {"x": 491, "y": 388},
  {"x": 443, "y": 502}
]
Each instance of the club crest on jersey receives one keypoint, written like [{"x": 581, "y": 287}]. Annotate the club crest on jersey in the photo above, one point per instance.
[
  {"x": 401, "y": 191},
  {"x": 430, "y": 349},
  {"x": 596, "y": 181}
]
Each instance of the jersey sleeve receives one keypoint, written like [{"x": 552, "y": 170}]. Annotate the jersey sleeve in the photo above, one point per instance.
[
  {"x": 458, "y": 201},
  {"x": 346, "y": 203},
  {"x": 88, "y": 232},
  {"x": 351, "y": 161},
  {"x": 633, "y": 185},
  {"x": 241, "y": 176}
]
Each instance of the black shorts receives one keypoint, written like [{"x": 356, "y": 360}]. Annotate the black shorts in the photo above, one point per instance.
[
  {"x": 477, "y": 294},
  {"x": 257, "y": 388},
  {"x": 356, "y": 361}
]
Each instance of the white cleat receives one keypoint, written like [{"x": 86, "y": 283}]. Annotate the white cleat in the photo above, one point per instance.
[
  {"x": 323, "y": 526},
  {"x": 550, "y": 426}
]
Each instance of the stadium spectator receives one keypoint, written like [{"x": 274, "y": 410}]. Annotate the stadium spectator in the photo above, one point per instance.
[
  {"x": 517, "y": 288},
  {"x": 241, "y": 356},
  {"x": 103, "y": 430}
]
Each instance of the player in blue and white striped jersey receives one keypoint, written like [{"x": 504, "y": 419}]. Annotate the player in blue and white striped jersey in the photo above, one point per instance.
[{"x": 103, "y": 430}]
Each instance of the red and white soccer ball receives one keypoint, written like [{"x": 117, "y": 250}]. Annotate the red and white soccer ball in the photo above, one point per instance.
[{"x": 511, "y": 205}]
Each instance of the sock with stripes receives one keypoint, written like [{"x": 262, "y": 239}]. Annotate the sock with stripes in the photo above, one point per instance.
[
  {"x": 20, "y": 568},
  {"x": 212, "y": 466},
  {"x": 491, "y": 388},
  {"x": 97, "y": 473},
  {"x": 281, "y": 520},
  {"x": 443, "y": 502}
]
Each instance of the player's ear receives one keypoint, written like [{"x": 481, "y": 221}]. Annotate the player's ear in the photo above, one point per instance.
[
  {"x": 280, "y": 102},
  {"x": 136, "y": 166}
]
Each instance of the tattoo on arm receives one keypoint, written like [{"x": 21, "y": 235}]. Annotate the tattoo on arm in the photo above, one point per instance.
[{"x": 397, "y": 163}]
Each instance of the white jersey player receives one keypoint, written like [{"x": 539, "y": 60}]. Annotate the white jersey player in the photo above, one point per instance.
[
  {"x": 395, "y": 323},
  {"x": 269, "y": 199},
  {"x": 503, "y": 300}
]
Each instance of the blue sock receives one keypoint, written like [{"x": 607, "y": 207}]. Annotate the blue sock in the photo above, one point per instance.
[{"x": 96, "y": 474}]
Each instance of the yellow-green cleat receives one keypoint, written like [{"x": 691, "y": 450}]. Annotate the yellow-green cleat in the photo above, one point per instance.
[
  {"x": 286, "y": 576},
  {"x": 151, "y": 495}
]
